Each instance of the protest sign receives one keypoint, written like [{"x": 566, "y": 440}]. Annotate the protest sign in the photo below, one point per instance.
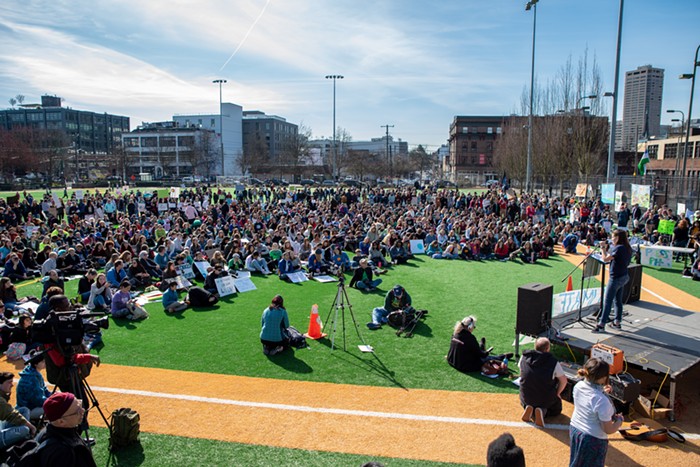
[{"x": 225, "y": 286}]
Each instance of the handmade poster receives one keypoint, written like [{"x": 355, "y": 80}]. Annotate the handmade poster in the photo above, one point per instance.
[
  {"x": 56, "y": 200},
  {"x": 162, "y": 207},
  {"x": 618, "y": 200},
  {"x": 243, "y": 274},
  {"x": 581, "y": 190},
  {"x": 172, "y": 205},
  {"x": 29, "y": 230},
  {"x": 666, "y": 227},
  {"x": 244, "y": 285},
  {"x": 607, "y": 225},
  {"x": 607, "y": 193},
  {"x": 569, "y": 302},
  {"x": 174, "y": 192},
  {"x": 182, "y": 282},
  {"x": 641, "y": 194},
  {"x": 680, "y": 209},
  {"x": 325, "y": 278},
  {"x": 297, "y": 277},
  {"x": 79, "y": 194},
  {"x": 186, "y": 271},
  {"x": 657, "y": 257},
  {"x": 202, "y": 266},
  {"x": 417, "y": 247},
  {"x": 142, "y": 207},
  {"x": 225, "y": 285}
]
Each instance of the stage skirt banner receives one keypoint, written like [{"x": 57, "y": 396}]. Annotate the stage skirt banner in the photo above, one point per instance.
[
  {"x": 607, "y": 193},
  {"x": 569, "y": 302},
  {"x": 657, "y": 257},
  {"x": 641, "y": 195}
]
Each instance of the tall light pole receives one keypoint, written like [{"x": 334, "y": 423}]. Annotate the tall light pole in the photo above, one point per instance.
[
  {"x": 220, "y": 82},
  {"x": 682, "y": 123},
  {"x": 334, "y": 161},
  {"x": 690, "y": 76},
  {"x": 388, "y": 154},
  {"x": 615, "y": 94},
  {"x": 532, "y": 4},
  {"x": 592, "y": 96}
]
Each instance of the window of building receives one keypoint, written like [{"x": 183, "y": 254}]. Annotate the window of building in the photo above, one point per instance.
[
  {"x": 489, "y": 130},
  {"x": 473, "y": 146},
  {"x": 186, "y": 141},
  {"x": 132, "y": 142},
  {"x": 465, "y": 129},
  {"x": 213, "y": 122},
  {"x": 149, "y": 142},
  {"x": 167, "y": 141}
]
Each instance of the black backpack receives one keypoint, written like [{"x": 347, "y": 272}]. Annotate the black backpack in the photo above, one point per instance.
[
  {"x": 200, "y": 297},
  {"x": 124, "y": 427},
  {"x": 296, "y": 339}
]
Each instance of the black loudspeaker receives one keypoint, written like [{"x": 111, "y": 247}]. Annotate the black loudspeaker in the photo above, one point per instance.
[
  {"x": 633, "y": 289},
  {"x": 534, "y": 309}
]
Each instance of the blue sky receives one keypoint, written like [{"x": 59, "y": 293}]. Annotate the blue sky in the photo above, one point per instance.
[{"x": 408, "y": 63}]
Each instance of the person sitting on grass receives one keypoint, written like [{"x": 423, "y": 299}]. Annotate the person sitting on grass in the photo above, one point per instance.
[
  {"x": 85, "y": 283},
  {"x": 213, "y": 274},
  {"x": 466, "y": 355},
  {"x": 362, "y": 277},
  {"x": 317, "y": 264},
  {"x": 14, "y": 423},
  {"x": 275, "y": 322},
  {"x": 53, "y": 280},
  {"x": 100, "y": 297},
  {"x": 397, "y": 299},
  {"x": 171, "y": 300},
  {"x": 31, "y": 388},
  {"x": 122, "y": 303},
  {"x": 254, "y": 263},
  {"x": 286, "y": 266},
  {"x": 14, "y": 269}
]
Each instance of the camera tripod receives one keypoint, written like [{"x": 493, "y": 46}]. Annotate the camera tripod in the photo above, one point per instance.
[
  {"x": 80, "y": 388},
  {"x": 339, "y": 303}
]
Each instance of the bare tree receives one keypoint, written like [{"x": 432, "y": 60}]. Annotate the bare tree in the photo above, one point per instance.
[
  {"x": 20, "y": 98},
  {"x": 12, "y": 102}
]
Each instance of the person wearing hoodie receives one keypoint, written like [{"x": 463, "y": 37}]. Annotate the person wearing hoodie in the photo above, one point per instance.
[
  {"x": 31, "y": 388},
  {"x": 542, "y": 381}
]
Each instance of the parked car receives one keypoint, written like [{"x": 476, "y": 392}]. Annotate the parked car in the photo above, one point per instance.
[
  {"x": 353, "y": 183},
  {"x": 492, "y": 183},
  {"x": 328, "y": 183},
  {"x": 445, "y": 184},
  {"x": 255, "y": 181},
  {"x": 307, "y": 182},
  {"x": 276, "y": 182},
  {"x": 188, "y": 180}
]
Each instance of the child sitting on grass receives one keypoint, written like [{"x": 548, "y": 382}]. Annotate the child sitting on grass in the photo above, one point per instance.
[{"x": 171, "y": 300}]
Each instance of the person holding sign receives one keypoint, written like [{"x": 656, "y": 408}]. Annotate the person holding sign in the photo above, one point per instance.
[
  {"x": 619, "y": 256},
  {"x": 275, "y": 322}
]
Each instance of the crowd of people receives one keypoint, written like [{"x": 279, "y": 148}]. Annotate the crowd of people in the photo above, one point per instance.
[{"x": 119, "y": 241}]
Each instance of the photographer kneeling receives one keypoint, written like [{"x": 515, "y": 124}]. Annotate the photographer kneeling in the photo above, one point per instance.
[
  {"x": 397, "y": 299},
  {"x": 465, "y": 354}
]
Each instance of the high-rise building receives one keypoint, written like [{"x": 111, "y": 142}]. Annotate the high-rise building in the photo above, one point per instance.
[
  {"x": 641, "y": 115},
  {"x": 231, "y": 117}
]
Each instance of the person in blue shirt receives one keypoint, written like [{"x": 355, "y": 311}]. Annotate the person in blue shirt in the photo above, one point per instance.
[
  {"x": 317, "y": 265},
  {"x": 619, "y": 256},
  {"x": 31, "y": 388},
  {"x": 171, "y": 300},
  {"x": 275, "y": 322},
  {"x": 570, "y": 242},
  {"x": 161, "y": 258},
  {"x": 286, "y": 266},
  {"x": 117, "y": 274},
  {"x": 14, "y": 269}
]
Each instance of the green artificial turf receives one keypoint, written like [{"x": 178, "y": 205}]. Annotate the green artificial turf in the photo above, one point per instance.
[
  {"x": 673, "y": 276},
  {"x": 174, "y": 451},
  {"x": 225, "y": 339}
]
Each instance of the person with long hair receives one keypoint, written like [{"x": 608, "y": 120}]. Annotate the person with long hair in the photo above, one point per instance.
[
  {"x": 594, "y": 416},
  {"x": 275, "y": 322},
  {"x": 619, "y": 256},
  {"x": 465, "y": 354}
]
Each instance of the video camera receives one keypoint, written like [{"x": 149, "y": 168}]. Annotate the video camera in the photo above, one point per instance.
[{"x": 68, "y": 328}]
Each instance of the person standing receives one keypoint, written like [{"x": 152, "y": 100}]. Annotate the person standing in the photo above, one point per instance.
[
  {"x": 542, "y": 381},
  {"x": 594, "y": 416},
  {"x": 619, "y": 256}
]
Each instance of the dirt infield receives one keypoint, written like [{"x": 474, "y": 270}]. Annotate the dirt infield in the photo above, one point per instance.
[{"x": 448, "y": 426}]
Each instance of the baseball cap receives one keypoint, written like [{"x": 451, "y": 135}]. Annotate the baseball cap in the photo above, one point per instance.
[{"x": 398, "y": 290}]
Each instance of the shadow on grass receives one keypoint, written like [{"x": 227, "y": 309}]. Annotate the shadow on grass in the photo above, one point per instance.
[
  {"x": 205, "y": 309},
  {"x": 124, "y": 323},
  {"x": 289, "y": 361},
  {"x": 128, "y": 456},
  {"x": 373, "y": 365}
]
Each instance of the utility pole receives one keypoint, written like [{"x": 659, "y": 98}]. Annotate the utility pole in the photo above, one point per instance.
[{"x": 388, "y": 155}]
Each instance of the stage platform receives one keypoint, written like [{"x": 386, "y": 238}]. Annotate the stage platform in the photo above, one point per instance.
[{"x": 654, "y": 338}]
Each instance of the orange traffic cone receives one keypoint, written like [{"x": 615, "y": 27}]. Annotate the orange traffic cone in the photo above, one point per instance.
[
  {"x": 314, "y": 325},
  {"x": 570, "y": 285}
]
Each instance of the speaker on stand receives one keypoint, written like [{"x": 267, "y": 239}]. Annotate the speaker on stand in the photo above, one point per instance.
[{"x": 534, "y": 313}]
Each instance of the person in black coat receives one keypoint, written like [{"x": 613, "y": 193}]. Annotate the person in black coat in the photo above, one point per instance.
[
  {"x": 60, "y": 441},
  {"x": 466, "y": 355},
  {"x": 542, "y": 380}
]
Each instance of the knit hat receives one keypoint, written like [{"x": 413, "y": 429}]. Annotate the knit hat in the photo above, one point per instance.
[{"x": 57, "y": 405}]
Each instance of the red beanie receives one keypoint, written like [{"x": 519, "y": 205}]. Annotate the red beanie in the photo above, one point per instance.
[{"x": 57, "y": 405}]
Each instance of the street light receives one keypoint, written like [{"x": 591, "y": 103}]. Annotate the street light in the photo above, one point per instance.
[
  {"x": 532, "y": 4},
  {"x": 334, "y": 161},
  {"x": 220, "y": 82},
  {"x": 682, "y": 120},
  {"x": 614, "y": 94},
  {"x": 592, "y": 96},
  {"x": 690, "y": 76}
]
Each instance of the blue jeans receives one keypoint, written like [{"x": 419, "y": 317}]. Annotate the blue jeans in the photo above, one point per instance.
[
  {"x": 362, "y": 285},
  {"x": 613, "y": 291},
  {"x": 11, "y": 434},
  {"x": 380, "y": 316}
]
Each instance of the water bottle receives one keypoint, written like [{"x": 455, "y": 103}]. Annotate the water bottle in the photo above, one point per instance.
[{"x": 505, "y": 362}]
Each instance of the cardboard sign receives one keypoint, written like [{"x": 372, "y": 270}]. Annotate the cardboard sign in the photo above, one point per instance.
[
  {"x": 244, "y": 285},
  {"x": 581, "y": 190},
  {"x": 162, "y": 207},
  {"x": 186, "y": 271},
  {"x": 607, "y": 193},
  {"x": 657, "y": 257},
  {"x": 297, "y": 277},
  {"x": 641, "y": 194},
  {"x": 324, "y": 278},
  {"x": 181, "y": 281},
  {"x": 666, "y": 227},
  {"x": 225, "y": 286},
  {"x": 417, "y": 247},
  {"x": 202, "y": 266},
  {"x": 174, "y": 192}
]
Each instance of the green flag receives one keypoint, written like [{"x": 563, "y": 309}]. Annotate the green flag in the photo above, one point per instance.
[{"x": 642, "y": 166}]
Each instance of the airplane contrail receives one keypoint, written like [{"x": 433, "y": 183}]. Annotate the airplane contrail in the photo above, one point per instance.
[{"x": 250, "y": 29}]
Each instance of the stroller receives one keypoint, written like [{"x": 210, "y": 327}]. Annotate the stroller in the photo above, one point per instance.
[{"x": 405, "y": 320}]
